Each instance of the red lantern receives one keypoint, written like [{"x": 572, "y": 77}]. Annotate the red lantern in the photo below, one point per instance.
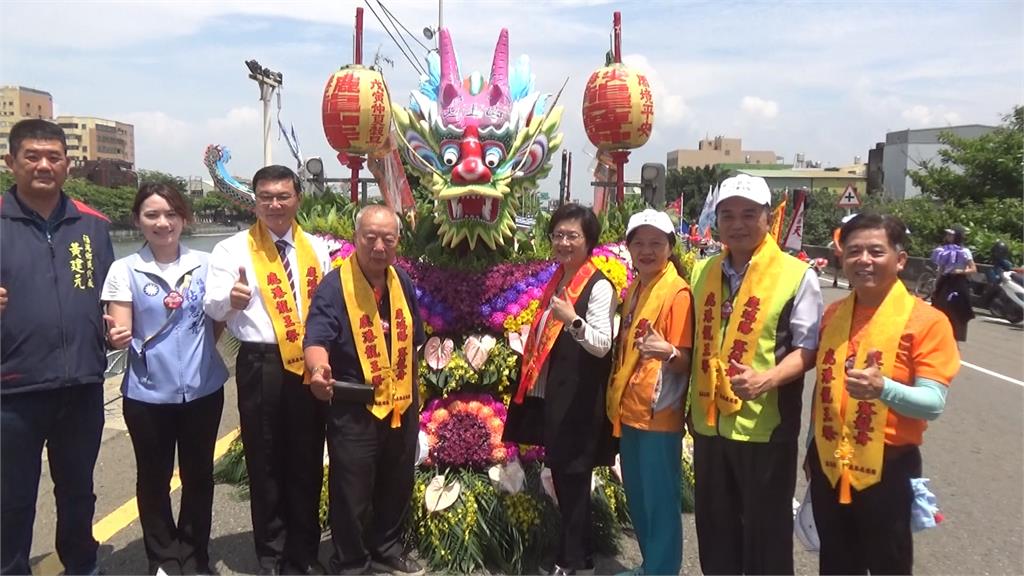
[
  {"x": 618, "y": 109},
  {"x": 356, "y": 110}
]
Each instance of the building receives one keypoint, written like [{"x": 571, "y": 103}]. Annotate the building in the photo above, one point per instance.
[
  {"x": 98, "y": 139},
  {"x": 18, "y": 103},
  {"x": 108, "y": 173},
  {"x": 719, "y": 150},
  {"x": 832, "y": 179},
  {"x": 908, "y": 149}
]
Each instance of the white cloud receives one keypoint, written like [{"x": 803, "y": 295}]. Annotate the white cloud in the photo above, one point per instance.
[
  {"x": 670, "y": 109},
  {"x": 920, "y": 116},
  {"x": 759, "y": 107}
]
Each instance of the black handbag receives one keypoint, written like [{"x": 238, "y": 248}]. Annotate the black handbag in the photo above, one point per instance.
[{"x": 353, "y": 392}]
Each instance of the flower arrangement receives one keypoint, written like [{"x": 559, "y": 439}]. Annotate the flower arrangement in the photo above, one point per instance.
[{"x": 464, "y": 431}]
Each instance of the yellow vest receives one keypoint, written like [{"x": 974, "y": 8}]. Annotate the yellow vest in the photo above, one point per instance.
[{"x": 756, "y": 419}]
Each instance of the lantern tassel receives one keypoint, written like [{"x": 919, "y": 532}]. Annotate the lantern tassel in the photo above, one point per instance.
[{"x": 844, "y": 487}]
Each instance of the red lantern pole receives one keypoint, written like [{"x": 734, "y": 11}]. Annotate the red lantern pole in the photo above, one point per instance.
[
  {"x": 620, "y": 157},
  {"x": 356, "y": 162},
  {"x": 617, "y": 46}
]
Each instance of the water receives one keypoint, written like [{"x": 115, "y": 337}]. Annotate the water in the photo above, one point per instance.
[{"x": 204, "y": 243}]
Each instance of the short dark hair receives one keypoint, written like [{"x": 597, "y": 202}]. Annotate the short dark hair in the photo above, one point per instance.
[
  {"x": 588, "y": 222},
  {"x": 895, "y": 229},
  {"x": 34, "y": 129},
  {"x": 173, "y": 197},
  {"x": 276, "y": 173}
]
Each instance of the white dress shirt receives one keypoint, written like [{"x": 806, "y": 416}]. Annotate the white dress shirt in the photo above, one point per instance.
[
  {"x": 252, "y": 324},
  {"x": 805, "y": 318}
]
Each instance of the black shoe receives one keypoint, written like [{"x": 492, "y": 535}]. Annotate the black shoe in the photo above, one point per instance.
[
  {"x": 313, "y": 568},
  {"x": 398, "y": 565}
]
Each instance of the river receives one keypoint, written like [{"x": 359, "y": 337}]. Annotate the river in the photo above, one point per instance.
[{"x": 203, "y": 242}]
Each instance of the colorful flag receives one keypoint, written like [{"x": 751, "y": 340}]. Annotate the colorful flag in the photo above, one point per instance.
[
  {"x": 778, "y": 217},
  {"x": 707, "y": 214},
  {"x": 795, "y": 233}
]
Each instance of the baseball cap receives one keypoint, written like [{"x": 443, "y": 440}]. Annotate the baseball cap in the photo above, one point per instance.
[
  {"x": 650, "y": 217},
  {"x": 753, "y": 188}
]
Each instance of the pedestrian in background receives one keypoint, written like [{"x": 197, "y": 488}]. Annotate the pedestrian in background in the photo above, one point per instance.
[{"x": 953, "y": 287}]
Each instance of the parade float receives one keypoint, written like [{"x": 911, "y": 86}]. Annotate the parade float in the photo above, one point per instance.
[{"x": 472, "y": 146}]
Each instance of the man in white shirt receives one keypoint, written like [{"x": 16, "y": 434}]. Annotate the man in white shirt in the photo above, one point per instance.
[{"x": 261, "y": 282}]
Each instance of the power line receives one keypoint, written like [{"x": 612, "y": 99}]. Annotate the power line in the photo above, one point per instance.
[
  {"x": 411, "y": 60},
  {"x": 397, "y": 21}
]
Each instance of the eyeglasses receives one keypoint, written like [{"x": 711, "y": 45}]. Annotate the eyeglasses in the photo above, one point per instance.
[
  {"x": 572, "y": 237},
  {"x": 268, "y": 200}
]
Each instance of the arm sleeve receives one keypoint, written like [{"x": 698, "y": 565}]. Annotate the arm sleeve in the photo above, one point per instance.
[
  {"x": 323, "y": 324},
  {"x": 117, "y": 286},
  {"x": 805, "y": 321},
  {"x": 934, "y": 352},
  {"x": 924, "y": 400},
  {"x": 220, "y": 278},
  {"x": 596, "y": 335}
]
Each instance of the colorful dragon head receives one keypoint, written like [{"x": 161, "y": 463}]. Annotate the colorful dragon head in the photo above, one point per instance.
[{"x": 477, "y": 144}]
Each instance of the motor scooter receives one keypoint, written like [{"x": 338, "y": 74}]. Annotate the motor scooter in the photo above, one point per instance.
[{"x": 1006, "y": 299}]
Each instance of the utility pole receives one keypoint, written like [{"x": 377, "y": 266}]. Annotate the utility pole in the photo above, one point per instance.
[{"x": 269, "y": 82}]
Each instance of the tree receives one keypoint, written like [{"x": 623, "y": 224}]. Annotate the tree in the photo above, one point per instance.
[
  {"x": 157, "y": 177},
  {"x": 973, "y": 169},
  {"x": 694, "y": 184}
]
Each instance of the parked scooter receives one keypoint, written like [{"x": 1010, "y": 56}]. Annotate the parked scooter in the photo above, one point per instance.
[{"x": 1008, "y": 301}]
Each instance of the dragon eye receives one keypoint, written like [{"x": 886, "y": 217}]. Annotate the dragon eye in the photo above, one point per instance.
[
  {"x": 450, "y": 155},
  {"x": 493, "y": 156}
]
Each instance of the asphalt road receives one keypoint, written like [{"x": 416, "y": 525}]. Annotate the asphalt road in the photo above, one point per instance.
[{"x": 974, "y": 455}]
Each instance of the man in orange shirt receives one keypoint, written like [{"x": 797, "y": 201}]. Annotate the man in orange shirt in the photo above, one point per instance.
[{"x": 884, "y": 365}]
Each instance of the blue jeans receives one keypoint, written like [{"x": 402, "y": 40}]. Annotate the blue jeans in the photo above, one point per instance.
[{"x": 69, "y": 422}]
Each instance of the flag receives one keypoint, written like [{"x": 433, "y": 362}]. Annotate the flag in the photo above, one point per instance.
[
  {"x": 795, "y": 233},
  {"x": 778, "y": 217},
  {"x": 707, "y": 214}
]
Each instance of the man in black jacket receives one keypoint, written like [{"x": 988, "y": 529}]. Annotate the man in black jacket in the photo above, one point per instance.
[{"x": 54, "y": 257}]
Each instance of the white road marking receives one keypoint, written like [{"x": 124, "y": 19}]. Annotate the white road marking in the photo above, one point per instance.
[{"x": 991, "y": 373}]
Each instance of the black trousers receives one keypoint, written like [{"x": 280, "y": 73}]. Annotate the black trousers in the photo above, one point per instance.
[
  {"x": 872, "y": 532},
  {"x": 575, "y": 547},
  {"x": 744, "y": 505},
  {"x": 283, "y": 434},
  {"x": 371, "y": 480},
  {"x": 157, "y": 430}
]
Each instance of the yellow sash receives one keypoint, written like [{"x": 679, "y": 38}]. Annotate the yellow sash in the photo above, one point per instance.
[
  {"x": 743, "y": 329},
  {"x": 853, "y": 455},
  {"x": 647, "y": 307},
  {"x": 390, "y": 376},
  {"x": 539, "y": 344},
  {"x": 276, "y": 292}
]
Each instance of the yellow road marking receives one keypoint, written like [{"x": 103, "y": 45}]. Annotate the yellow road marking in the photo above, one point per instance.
[{"x": 124, "y": 515}]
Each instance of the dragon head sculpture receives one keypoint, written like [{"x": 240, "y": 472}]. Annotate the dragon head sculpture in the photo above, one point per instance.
[{"x": 477, "y": 144}]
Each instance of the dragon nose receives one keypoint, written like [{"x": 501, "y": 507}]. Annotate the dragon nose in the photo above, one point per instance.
[{"x": 471, "y": 171}]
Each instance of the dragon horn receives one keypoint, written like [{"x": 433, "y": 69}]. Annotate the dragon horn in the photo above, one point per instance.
[
  {"x": 499, "y": 66},
  {"x": 449, "y": 67}
]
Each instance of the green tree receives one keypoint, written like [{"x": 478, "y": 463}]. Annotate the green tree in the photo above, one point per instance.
[
  {"x": 115, "y": 203},
  {"x": 157, "y": 177},
  {"x": 973, "y": 169}
]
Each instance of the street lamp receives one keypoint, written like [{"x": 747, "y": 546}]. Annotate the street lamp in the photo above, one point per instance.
[{"x": 269, "y": 82}]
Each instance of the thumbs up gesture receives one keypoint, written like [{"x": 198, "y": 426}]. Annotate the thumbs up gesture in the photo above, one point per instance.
[
  {"x": 241, "y": 294},
  {"x": 654, "y": 345},
  {"x": 747, "y": 384},
  {"x": 3, "y": 298},
  {"x": 118, "y": 336},
  {"x": 866, "y": 383}
]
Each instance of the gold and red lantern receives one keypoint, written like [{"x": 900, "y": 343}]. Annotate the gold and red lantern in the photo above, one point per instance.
[
  {"x": 618, "y": 108},
  {"x": 356, "y": 110}
]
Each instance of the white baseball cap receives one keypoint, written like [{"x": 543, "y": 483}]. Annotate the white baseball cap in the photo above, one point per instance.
[
  {"x": 753, "y": 188},
  {"x": 650, "y": 217}
]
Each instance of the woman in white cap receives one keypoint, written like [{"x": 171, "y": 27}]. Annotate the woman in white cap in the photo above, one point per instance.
[{"x": 648, "y": 390}]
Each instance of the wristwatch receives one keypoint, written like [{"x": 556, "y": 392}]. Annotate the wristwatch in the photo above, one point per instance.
[{"x": 577, "y": 324}]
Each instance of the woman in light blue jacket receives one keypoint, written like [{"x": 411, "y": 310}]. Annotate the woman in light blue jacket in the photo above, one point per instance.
[{"x": 174, "y": 386}]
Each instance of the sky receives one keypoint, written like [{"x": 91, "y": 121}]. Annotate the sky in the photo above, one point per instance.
[{"x": 824, "y": 78}]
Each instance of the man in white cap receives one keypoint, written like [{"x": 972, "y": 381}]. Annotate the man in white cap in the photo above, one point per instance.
[{"x": 757, "y": 313}]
